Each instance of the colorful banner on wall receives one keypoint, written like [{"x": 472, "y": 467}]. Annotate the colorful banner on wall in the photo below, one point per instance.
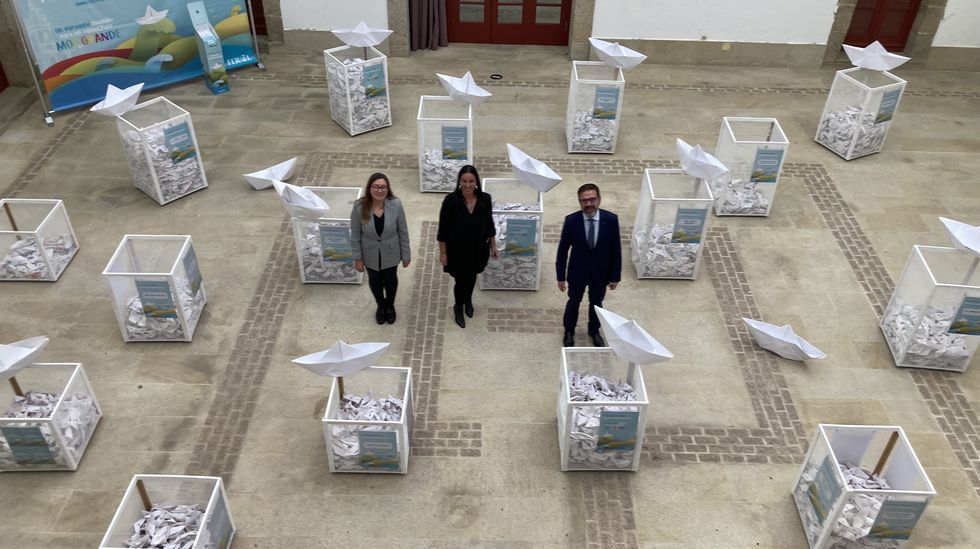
[{"x": 82, "y": 45}]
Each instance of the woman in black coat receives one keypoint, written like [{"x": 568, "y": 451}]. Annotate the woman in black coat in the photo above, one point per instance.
[{"x": 466, "y": 238}]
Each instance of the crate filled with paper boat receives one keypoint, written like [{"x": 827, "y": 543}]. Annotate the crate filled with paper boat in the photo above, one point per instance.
[
  {"x": 602, "y": 408},
  {"x": 320, "y": 218},
  {"x": 862, "y": 103},
  {"x": 357, "y": 85},
  {"x": 518, "y": 214},
  {"x": 156, "y": 287},
  {"x": 933, "y": 317},
  {"x": 162, "y": 149},
  {"x": 357, "y": 79},
  {"x": 378, "y": 443},
  {"x": 49, "y": 410},
  {"x": 369, "y": 415},
  {"x": 754, "y": 150},
  {"x": 595, "y": 104},
  {"x": 861, "y": 486},
  {"x": 37, "y": 241},
  {"x": 445, "y": 134},
  {"x": 671, "y": 224},
  {"x": 596, "y": 89},
  {"x": 180, "y": 511},
  {"x": 323, "y": 246}
]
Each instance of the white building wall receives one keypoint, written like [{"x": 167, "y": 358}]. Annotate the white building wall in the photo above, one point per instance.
[
  {"x": 960, "y": 27},
  {"x": 774, "y": 21},
  {"x": 324, "y": 15}
]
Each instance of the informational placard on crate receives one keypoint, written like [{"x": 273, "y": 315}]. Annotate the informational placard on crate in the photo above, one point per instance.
[
  {"x": 617, "y": 430},
  {"x": 378, "y": 449},
  {"x": 967, "y": 319},
  {"x": 157, "y": 299},
  {"x": 28, "y": 445}
]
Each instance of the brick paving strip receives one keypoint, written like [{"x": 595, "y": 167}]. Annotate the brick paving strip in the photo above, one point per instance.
[
  {"x": 946, "y": 400},
  {"x": 317, "y": 80},
  {"x": 422, "y": 351},
  {"x": 219, "y": 443},
  {"x": 610, "y": 520}
]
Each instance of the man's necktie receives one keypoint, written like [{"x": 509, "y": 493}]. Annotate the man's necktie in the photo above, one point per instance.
[{"x": 590, "y": 235}]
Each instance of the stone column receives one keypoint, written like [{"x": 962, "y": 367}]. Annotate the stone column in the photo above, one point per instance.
[
  {"x": 16, "y": 64},
  {"x": 273, "y": 20},
  {"x": 398, "y": 42},
  {"x": 580, "y": 28},
  {"x": 919, "y": 45},
  {"x": 842, "y": 21}
]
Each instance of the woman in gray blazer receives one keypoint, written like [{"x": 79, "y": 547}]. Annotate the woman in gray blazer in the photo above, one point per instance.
[{"x": 379, "y": 240}]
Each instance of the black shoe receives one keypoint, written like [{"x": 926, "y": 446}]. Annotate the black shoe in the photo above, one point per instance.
[
  {"x": 379, "y": 315},
  {"x": 458, "y": 315},
  {"x": 390, "y": 314},
  {"x": 468, "y": 309},
  {"x": 597, "y": 340},
  {"x": 569, "y": 340}
]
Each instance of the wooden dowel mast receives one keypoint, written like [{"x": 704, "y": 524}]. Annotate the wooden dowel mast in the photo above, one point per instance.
[
  {"x": 886, "y": 454},
  {"x": 144, "y": 497},
  {"x": 16, "y": 387},
  {"x": 10, "y": 216}
]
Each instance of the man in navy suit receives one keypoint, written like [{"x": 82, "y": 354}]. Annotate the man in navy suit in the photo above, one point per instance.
[{"x": 596, "y": 260}]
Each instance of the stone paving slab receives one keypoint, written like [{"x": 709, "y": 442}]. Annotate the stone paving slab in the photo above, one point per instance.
[{"x": 482, "y": 473}]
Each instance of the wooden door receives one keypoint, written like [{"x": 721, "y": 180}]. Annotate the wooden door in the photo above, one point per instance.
[
  {"x": 258, "y": 15},
  {"x": 887, "y": 21},
  {"x": 541, "y": 22}
]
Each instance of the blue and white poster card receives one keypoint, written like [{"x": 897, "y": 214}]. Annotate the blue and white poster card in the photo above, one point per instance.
[
  {"x": 617, "y": 431},
  {"x": 896, "y": 519},
  {"x": 209, "y": 49},
  {"x": 28, "y": 445},
  {"x": 179, "y": 142},
  {"x": 765, "y": 169},
  {"x": 454, "y": 143},
  {"x": 886, "y": 109},
  {"x": 157, "y": 300},
  {"x": 192, "y": 270},
  {"x": 335, "y": 243},
  {"x": 521, "y": 236},
  {"x": 824, "y": 490},
  {"x": 374, "y": 80},
  {"x": 606, "y": 103},
  {"x": 967, "y": 319},
  {"x": 378, "y": 449},
  {"x": 689, "y": 225}
]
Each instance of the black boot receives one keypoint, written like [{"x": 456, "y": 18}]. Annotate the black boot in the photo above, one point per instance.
[
  {"x": 390, "y": 314},
  {"x": 458, "y": 314},
  {"x": 468, "y": 309},
  {"x": 380, "y": 314}
]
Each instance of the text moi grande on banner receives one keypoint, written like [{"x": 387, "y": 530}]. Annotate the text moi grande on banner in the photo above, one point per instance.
[{"x": 80, "y": 47}]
